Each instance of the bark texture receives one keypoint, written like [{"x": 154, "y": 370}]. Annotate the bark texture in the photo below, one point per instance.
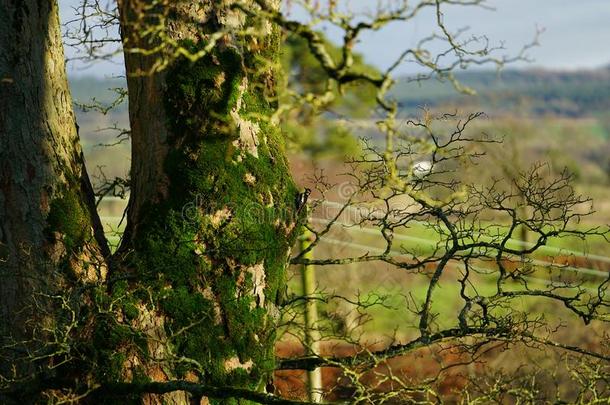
[
  {"x": 211, "y": 215},
  {"x": 48, "y": 224}
]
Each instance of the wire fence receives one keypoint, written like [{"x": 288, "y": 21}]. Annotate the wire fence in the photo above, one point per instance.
[
  {"x": 430, "y": 242},
  {"x": 459, "y": 266},
  {"x": 360, "y": 212}
]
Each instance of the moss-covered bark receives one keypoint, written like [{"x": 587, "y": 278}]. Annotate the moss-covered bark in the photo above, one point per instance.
[{"x": 211, "y": 217}]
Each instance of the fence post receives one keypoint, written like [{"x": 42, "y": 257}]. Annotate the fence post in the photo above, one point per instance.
[{"x": 312, "y": 335}]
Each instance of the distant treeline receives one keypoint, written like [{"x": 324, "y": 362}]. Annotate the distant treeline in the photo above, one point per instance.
[
  {"x": 533, "y": 92},
  {"x": 86, "y": 88}
]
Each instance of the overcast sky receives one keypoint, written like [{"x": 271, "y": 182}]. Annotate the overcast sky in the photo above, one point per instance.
[{"x": 577, "y": 32}]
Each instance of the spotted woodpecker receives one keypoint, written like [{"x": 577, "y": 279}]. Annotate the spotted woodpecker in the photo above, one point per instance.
[{"x": 301, "y": 200}]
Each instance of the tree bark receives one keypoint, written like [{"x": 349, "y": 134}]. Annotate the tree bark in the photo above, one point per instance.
[
  {"x": 51, "y": 240},
  {"x": 211, "y": 214}
]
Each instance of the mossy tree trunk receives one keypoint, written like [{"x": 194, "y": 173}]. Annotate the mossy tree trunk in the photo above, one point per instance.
[
  {"x": 51, "y": 240},
  {"x": 211, "y": 215}
]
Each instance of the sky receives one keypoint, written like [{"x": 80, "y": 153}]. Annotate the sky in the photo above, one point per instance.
[{"x": 577, "y": 33}]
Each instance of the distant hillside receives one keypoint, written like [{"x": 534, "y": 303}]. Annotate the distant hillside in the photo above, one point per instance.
[
  {"x": 85, "y": 88},
  {"x": 525, "y": 93},
  {"x": 531, "y": 92}
]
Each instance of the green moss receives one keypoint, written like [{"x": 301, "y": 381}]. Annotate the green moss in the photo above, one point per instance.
[
  {"x": 176, "y": 257},
  {"x": 209, "y": 86},
  {"x": 68, "y": 217},
  {"x": 130, "y": 311}
]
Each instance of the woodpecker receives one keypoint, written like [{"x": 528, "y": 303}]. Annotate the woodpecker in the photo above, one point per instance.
[{"x": 301, "y": 200}]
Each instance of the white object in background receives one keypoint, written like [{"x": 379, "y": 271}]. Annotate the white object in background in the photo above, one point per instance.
[{"x": 421, "y": 168}]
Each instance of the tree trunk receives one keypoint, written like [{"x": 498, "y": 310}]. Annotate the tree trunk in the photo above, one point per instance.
[
  {"x": 211, "y": 214},
  {"x": 48, "y": 224}
]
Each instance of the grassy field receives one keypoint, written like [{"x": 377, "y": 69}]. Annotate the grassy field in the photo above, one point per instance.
[{"x": 400, "y": 285}]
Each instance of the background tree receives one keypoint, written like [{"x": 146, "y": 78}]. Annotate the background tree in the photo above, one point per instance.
[{"x": 320, "y": 132}]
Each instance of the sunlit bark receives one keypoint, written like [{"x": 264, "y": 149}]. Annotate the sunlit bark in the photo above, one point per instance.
[{"x": 51, "y": 240}]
